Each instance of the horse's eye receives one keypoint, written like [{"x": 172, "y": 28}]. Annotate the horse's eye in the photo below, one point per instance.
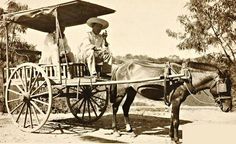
[{"x": 218, "y": 102}]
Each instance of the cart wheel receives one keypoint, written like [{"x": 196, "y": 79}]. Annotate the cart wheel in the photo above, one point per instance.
[
  {"x": 89, "y": 104},
  {"x": 28, "y": 97}
]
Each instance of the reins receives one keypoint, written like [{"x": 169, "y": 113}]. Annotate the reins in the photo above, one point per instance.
[{"x": 194, "y": 96}]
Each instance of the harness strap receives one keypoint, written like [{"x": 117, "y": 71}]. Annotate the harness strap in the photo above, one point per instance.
[
  {"x": 167, "y": 72},
  {"x": 214, "y": 83},
  {"x": 193, "y": 95}
]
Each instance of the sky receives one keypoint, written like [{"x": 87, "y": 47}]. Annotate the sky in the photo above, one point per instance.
[{"x": 137, "y": 27}]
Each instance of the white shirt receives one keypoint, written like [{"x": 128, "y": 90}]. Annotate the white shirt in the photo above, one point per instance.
[
  {"x": 49, "y": 52},
  {"x": 92, "y": 41}
]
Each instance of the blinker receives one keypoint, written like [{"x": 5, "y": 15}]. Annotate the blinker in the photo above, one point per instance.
[{"x": 221, "y": 87}]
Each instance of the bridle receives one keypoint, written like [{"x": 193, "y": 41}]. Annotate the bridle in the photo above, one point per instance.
[{"x": 221, "y": 89}]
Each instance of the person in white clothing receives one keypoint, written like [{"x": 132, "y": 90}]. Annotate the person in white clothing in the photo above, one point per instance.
[
  {"x": 49, "y": 52},
  {"x": 94, "y": 48}
]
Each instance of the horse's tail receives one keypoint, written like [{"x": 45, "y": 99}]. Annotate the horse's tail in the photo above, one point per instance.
[{"x": 113, "y": 87}]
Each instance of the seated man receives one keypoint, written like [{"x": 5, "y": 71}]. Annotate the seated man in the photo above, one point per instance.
[
  {"x": 94, "y": 49},
  {"x": 49, "y": 52}
]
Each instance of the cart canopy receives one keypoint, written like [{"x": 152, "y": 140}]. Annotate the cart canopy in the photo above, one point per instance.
[{"x": 69, "y": 14}]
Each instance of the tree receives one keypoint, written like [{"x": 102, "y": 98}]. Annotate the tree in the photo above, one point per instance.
[
  {"x": 14, "y": 31},
  {"x": 15, "y": 41},
  {"x": 210, "y": 23}
]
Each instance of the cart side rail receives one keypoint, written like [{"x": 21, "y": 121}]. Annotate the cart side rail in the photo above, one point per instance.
[{"x": 76, "y": 69}]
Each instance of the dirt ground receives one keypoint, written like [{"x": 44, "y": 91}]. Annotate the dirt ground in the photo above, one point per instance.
[{"x": 150, "y": 123}]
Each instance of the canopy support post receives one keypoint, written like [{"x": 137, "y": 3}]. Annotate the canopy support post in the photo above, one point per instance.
[
  {"x": 58, "y": 51},
  {"x": 7, "y": 49},
  {"x": 60, "y": 44}
]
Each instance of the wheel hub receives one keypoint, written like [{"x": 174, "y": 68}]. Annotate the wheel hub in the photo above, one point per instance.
[
  {"x": 87, "y": 93},
  {"x": 26, "y": 96}
]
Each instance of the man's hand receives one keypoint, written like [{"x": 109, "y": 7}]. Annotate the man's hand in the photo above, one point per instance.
[
  {"x": 104, "y": 34},
  {"x": 94, "y": 48}
]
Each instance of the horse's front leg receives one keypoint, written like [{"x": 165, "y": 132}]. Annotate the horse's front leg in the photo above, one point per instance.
[
  {"x": 175, "y": 120},
  {"x": 129, "y": 100},
  {"x": 115, "y": 107}
]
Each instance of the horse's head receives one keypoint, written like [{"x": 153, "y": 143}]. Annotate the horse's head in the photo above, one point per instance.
[
  {"x": 221, "y": 90},
  {"x": 215, "y": 79}
]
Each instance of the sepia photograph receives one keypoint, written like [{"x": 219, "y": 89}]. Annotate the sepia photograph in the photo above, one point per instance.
[{"x": 117, "y": 71}]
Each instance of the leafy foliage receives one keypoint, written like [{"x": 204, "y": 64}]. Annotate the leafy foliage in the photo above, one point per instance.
[
  {"x": 14, "y": 31},
  {"x": 210, "y": 23},
  {"x": 15, "y": 41}
]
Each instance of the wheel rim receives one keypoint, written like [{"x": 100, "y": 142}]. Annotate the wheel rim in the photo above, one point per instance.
[
  {"x": 29, "y": 97},
  {"x": 90, "y": 103}
]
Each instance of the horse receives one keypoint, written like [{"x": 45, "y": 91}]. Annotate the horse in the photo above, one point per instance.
[{"x": 203, "y": 76}]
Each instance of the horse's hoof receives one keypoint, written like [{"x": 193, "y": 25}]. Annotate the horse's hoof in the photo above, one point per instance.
[
  {"x": 171, "y": 136},
  {"x": 176, "y": 140},
  {"x": 128, "y": 128},
  {"x": 116, "y": 134},
  {"x": 133, "y": 134}
]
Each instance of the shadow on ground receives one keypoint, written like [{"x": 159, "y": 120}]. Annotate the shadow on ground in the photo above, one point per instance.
[{"x": 142, "y": 125}]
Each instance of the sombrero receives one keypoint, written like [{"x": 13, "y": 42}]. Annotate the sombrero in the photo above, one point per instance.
[{"x": 93, "y": 20}]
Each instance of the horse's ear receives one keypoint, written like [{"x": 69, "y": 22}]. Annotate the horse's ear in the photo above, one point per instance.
[
  {"x": 226, "y": 72},
  {"x": 186, "y": 63}
]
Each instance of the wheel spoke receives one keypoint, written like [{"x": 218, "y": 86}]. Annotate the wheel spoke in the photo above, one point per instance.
[
  {"x": 38, "y": 88},
  {"x": 20, "y": 112},
  {"x": 35, "y": 80},
  {"x": 39, "y": 95},
  {"x": 16, "y": 107},
  {"x": 30, "y": 79},
  {"x": 96, "y": 103},
  {"x": 12, "y": 100},
  {"x": 30, "y": 113},
  {"x": 15, "y": 92},
  {"x": 93, "y": 108},
  {"x": 19, "y": 88},
  {"x": 82, "y": 88},
  {"x": 81, "y": 104},
  {"x": 26, "y": 113},
  {"x": 17, "y": 72},
  {"x": 76, "y": 103},
  {"x": 89, "y": 110},
  {"x": 84, "y": 109},
  {"x": 79, "y": 91},
  {"x": 34, "y": 105},
  {"x": 42, "y": 102},
  {"x": 35, "y": 114},
  {"x": 25, "y": 76},
  {"x": 99, "y": 98}
]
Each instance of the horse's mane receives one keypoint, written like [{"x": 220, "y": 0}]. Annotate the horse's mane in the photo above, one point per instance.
[
  {"x": 202, "y": 66},
  {"x": 147, "y": 63}
]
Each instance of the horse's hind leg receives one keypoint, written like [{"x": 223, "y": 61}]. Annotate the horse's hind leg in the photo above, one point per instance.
[{"x": 129, "y": 100}]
